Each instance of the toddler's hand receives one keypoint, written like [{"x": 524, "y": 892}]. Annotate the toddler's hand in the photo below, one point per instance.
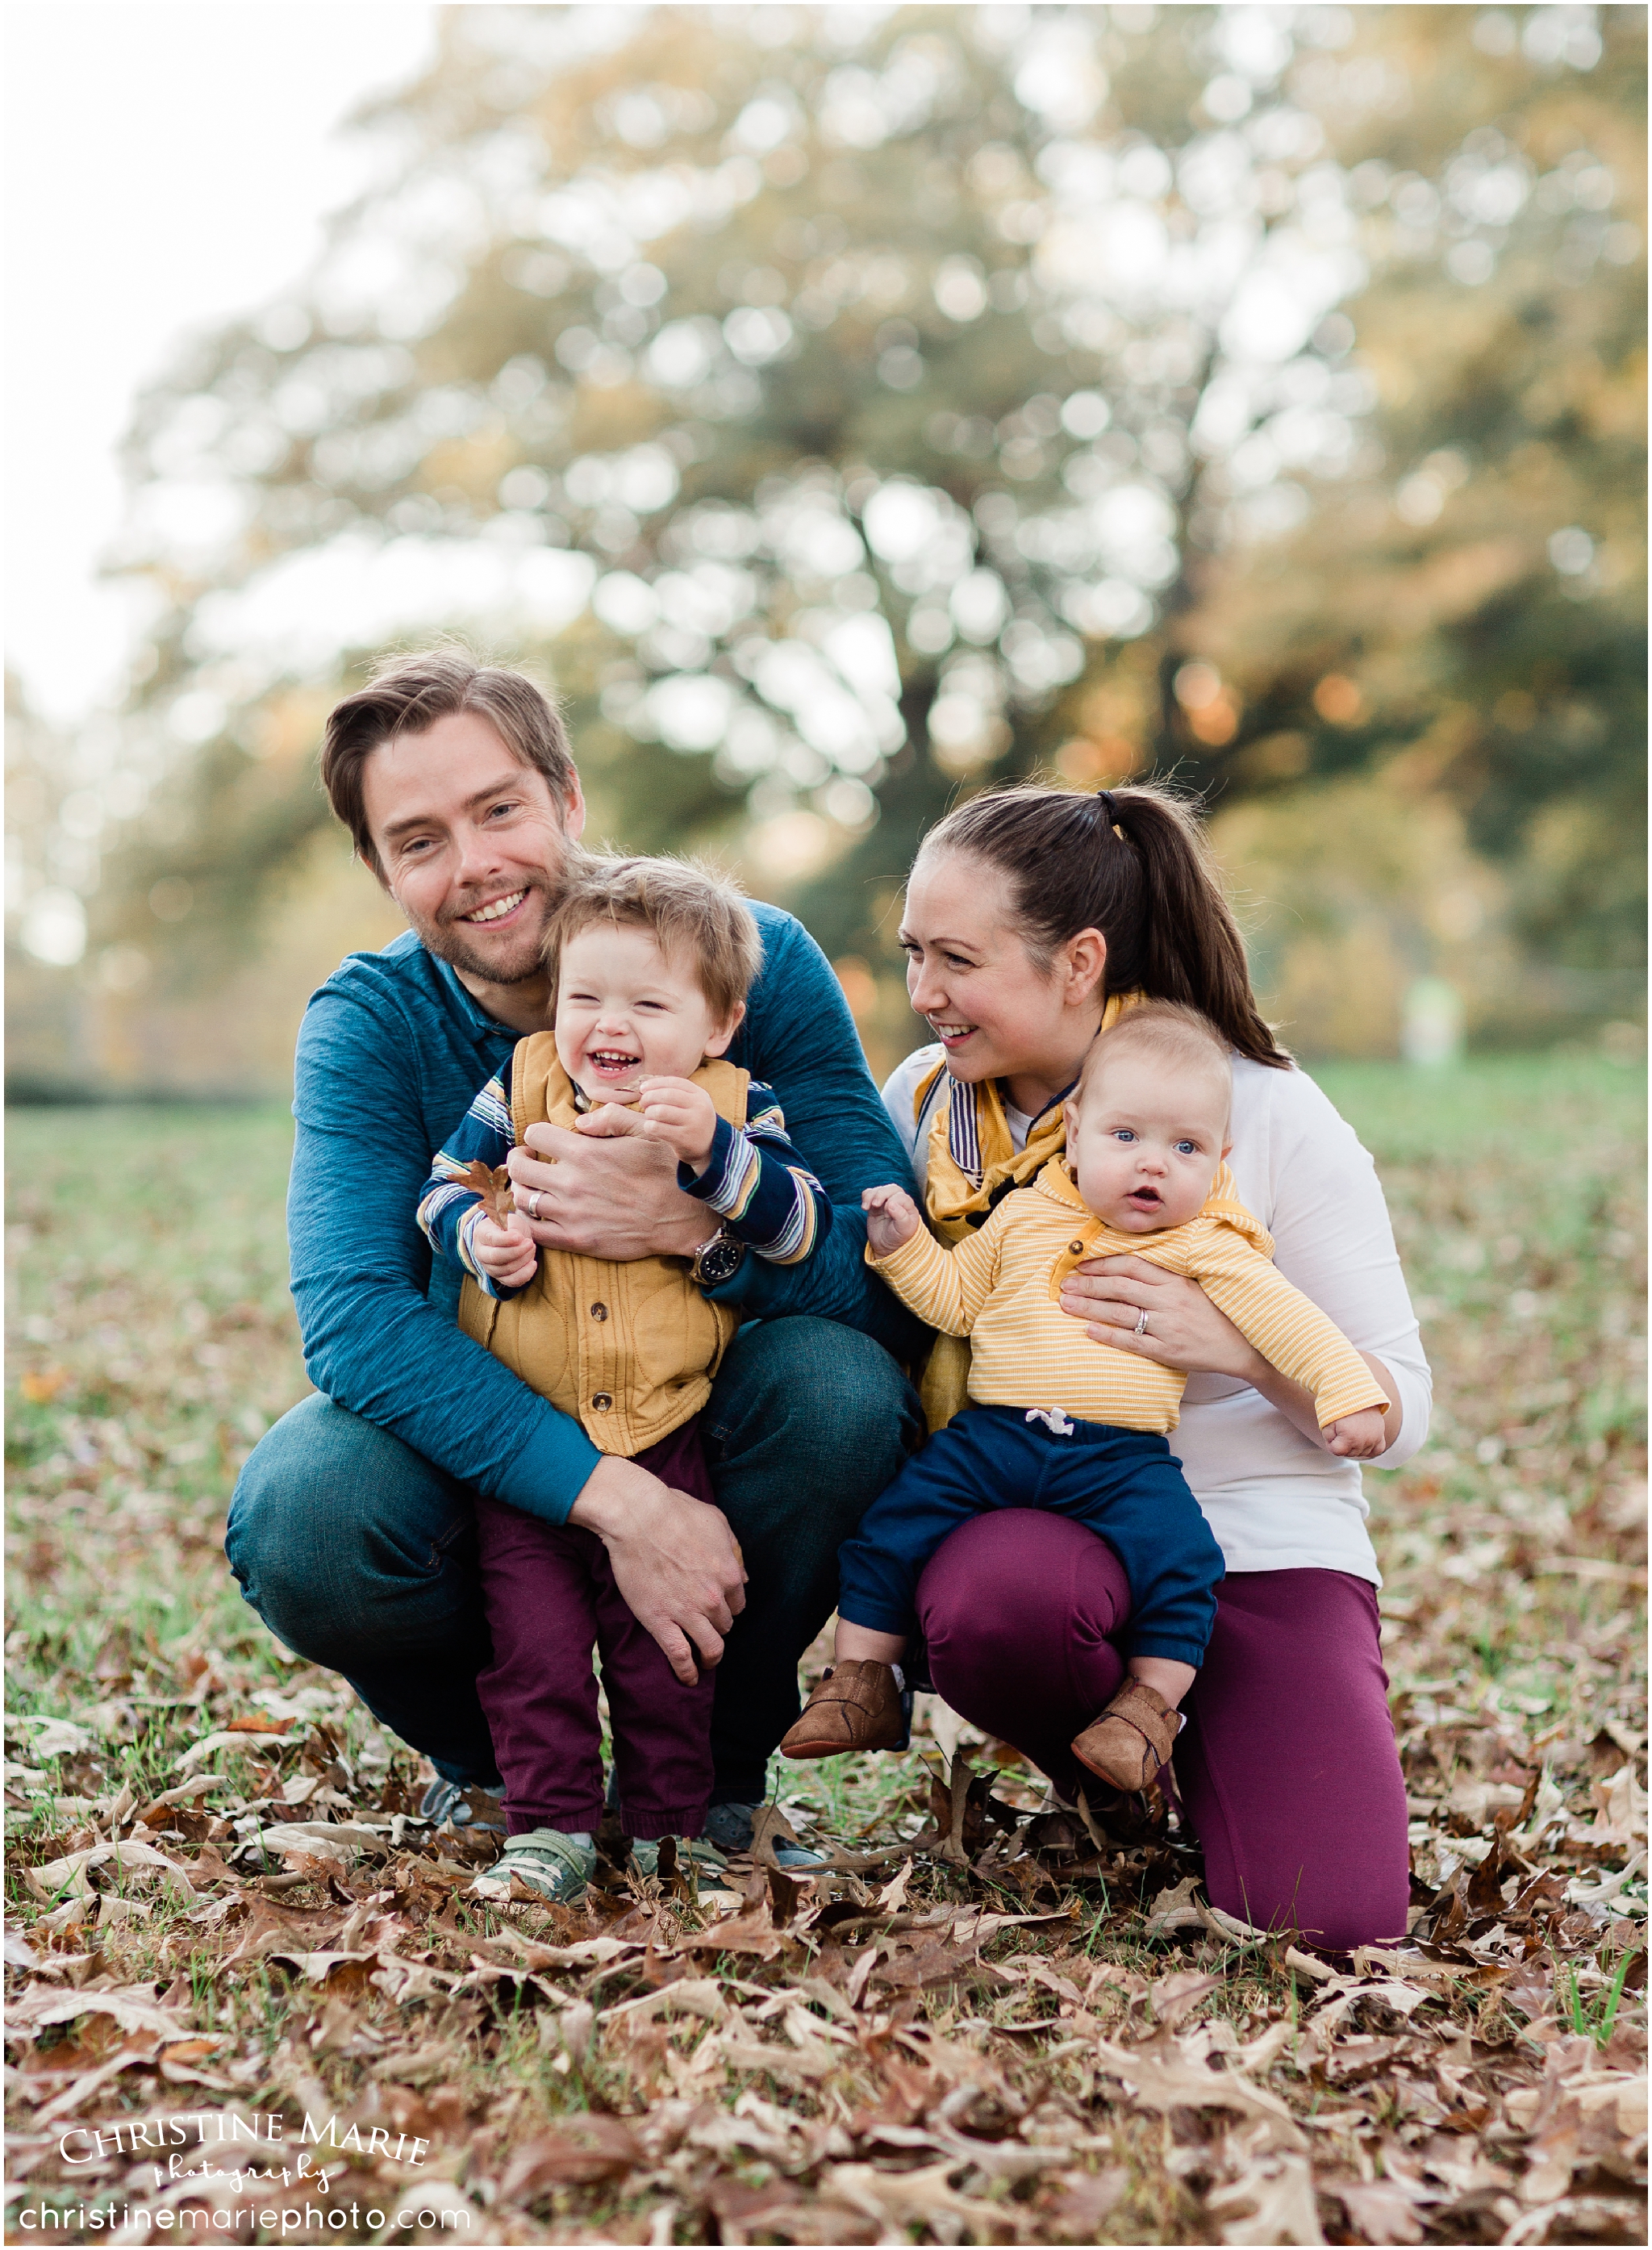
[
  {"x": 1359, "y": 1437},
  {"x": 683, "y": 1115},
  {"x": 506, "y": 1253},
  {"x": 892, "y": 1219}
]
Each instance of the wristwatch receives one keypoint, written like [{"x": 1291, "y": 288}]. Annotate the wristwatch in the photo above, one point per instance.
[{"x": 718, "y": 1260}]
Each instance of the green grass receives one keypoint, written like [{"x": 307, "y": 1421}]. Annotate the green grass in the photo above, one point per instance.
[{"x": 152, "y": 1341}]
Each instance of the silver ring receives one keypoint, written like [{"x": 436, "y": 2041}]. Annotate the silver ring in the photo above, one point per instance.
[
  {"x": 1141, "y": 1322},
  {"x": 533, "y": 1202}
]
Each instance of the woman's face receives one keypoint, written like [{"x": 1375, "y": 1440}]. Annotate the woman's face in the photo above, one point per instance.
[{"x": 996, "y": 1012}]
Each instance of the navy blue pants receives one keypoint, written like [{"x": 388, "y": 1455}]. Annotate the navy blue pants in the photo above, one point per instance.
[{"x": 1125, "y": 1485}]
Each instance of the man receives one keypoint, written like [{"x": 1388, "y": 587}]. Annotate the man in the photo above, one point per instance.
[{"x": 351, "y": 1529}]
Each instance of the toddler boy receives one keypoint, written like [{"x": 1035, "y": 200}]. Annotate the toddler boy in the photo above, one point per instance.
[{"x": 650, "y": 961}]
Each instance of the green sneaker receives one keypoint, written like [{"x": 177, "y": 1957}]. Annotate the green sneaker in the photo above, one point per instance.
[
  {"x": 556, "y": 1865},
  {"x": 729, "y": 1826},
  {"x": 708, "y": 1861}
]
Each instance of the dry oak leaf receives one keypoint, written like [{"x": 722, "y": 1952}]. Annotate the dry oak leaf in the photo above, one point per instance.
[
  {"x": 1271, "y": 2202},
  {"x": 1089, "y": 2198},
  {"x": 224, "y": 1740},
  {"x": 319, "y": 1968},
  {"x": 134, "y": 2007},
  {"x": 1175, "y": 1910},
  {"x": 339, "y": 1840},
  {"x": 1158, "y": 2083},
  {"x": 1383, "y": 2210},
  {"x": 908, "y": 2197},
  {"x": 72, "y": 1876},
  {"x": 751, "y": 1930},
  {"x": 493, "y": 1184},
  {"x": 596, "y": 2147}
]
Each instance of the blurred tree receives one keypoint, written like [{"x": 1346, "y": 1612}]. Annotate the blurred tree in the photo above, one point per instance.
[
  {"x": 1477, "y": 588},
  {"x": 851, "y": 405}
]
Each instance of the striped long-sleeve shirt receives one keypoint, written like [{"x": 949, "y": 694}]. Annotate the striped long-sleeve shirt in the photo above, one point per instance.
[
  {"x": 1002, "y": 1288},
  {"x": 754, "y": 1181}
]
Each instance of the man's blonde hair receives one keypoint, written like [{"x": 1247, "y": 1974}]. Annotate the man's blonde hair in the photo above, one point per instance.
[
  {"x": 695, "y": 912},
  {"x": 1165, "y": 1029}
]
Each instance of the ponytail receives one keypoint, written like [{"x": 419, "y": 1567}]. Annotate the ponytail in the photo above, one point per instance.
[{"x": 1134, "y": 864}]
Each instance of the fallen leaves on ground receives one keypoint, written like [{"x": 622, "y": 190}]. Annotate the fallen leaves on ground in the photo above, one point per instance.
[{"x": 985, "y": 2020}]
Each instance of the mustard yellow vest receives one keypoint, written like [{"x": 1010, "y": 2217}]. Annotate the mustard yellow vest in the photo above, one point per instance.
[{"x": 629, "y": 1350}]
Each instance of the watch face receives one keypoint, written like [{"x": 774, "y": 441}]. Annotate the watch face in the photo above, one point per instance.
[{"x": 720, "y": 1259}]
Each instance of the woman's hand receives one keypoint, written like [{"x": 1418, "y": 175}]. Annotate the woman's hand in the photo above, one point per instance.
[
  {"x": 1186, "y": 1331},
  {"x": 1184, "y": 1328}
]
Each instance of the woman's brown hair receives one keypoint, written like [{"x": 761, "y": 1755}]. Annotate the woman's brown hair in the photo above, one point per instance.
[{"x": 1133, "y": 863}]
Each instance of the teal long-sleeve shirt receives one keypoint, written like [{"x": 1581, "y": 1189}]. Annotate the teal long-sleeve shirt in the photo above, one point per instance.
[{"x": 390, "y": 1054}]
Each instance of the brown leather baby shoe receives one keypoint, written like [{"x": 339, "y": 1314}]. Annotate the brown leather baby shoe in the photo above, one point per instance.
[
  {"x": 1133, "y": 1738},
  {"x": 856, "y": 1707}
]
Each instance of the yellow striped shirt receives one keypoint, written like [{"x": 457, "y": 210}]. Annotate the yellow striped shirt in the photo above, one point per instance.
[{"x": 1001, "y": 1286}]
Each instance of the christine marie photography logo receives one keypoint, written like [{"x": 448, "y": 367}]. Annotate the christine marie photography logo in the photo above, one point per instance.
[{"x": 218, "y": 2171}]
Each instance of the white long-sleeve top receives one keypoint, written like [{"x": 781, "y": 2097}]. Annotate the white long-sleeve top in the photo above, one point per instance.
[{"x": 1275, "y": 1499}]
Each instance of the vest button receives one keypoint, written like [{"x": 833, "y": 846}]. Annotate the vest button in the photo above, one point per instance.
[
  {"x": 1074, "y": 1248},
  {"x": 599, "y": 1312},
  {"x": 602, "y": 1402}
]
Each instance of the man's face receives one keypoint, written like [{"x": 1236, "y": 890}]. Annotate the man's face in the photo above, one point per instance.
[{"x": 472, "y": 843}]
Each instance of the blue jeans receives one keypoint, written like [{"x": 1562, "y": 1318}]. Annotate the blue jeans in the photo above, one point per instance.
[
  {"x": 1125, "y": 1485},
  {"x": 360, "y": 1555}
]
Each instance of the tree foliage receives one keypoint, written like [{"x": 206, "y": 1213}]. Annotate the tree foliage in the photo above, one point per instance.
[{"x": 853, "y": 405}]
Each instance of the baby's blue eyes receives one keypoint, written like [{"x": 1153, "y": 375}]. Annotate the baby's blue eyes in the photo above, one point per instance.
[
  {"x": 1186, "y": 1148},
  {"x": 1123, "y": 1133}
]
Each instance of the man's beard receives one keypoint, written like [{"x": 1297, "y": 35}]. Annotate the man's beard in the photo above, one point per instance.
[{"x": 450, "y": 941}]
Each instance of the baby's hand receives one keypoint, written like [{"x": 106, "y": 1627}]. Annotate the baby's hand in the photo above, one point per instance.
[
  {"x": 892, "y": 1219},
  {"x": 505, "y": 1253},
  {"x": 678, "y": 1112},
  {"x": 1359, "y": 1437}
]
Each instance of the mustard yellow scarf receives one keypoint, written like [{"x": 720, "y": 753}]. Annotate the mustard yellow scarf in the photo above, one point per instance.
[{"x": 973, "y": 1163}]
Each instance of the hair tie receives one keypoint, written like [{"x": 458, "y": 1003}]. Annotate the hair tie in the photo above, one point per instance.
[{"x": 1108, "y": 807}]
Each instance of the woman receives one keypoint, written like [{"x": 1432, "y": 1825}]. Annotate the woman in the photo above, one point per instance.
[{"x": 1032, "y": 916}]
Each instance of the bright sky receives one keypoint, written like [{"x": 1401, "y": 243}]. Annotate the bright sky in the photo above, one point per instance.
[{"x": 166, "y": 167}]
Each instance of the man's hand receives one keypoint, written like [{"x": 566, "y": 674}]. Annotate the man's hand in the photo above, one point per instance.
[
  {"x": 682, "y": 1115},
  {"x": 607, "y": 1191},
  {"x": 1359, "y": 1437},
  {"x": 674, "y": 1559},
  {"x": 892, "y": 1219},
  {"x": 506, "y": 1255}
]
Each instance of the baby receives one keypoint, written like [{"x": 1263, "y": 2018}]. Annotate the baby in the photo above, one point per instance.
[
  {"x": 1058, "y": 1421},
  {"x": 650, "y": 961}
]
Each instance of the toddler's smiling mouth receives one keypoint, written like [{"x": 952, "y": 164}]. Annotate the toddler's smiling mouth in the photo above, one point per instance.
[{"x": 609, "y": 1062}]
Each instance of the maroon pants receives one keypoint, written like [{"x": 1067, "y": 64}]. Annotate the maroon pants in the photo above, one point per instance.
[
  {"x": 1287, "y": 1768},
  {"x": 550, "y": 1596}
]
